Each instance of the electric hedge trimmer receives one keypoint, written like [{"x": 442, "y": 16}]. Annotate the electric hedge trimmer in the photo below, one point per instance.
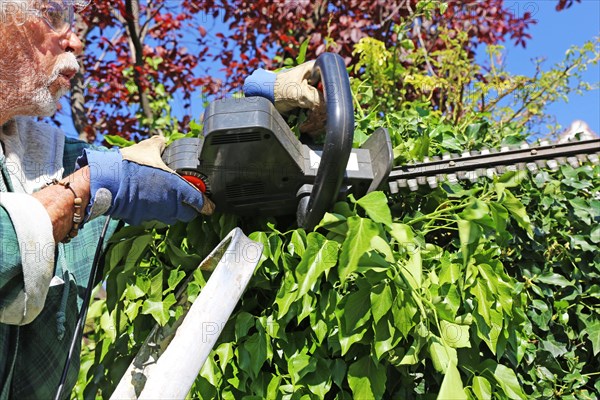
[{"x": 250, "y": 163}]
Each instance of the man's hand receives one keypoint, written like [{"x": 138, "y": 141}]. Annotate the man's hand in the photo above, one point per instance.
[
  {"x": 135, "y": 185},
  {"x": 288, "y": 89}
]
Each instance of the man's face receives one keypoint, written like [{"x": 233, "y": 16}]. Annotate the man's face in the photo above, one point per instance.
[{"x": 36, "y": 66}]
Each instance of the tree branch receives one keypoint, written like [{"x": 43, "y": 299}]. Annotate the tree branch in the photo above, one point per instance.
[{"x": 132, "y": 8}]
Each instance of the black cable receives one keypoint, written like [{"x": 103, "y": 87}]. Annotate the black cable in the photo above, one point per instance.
[{"x": 83, "y": 312}]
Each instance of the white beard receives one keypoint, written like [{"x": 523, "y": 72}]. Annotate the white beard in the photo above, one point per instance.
[{"x": 42, "y": 102}]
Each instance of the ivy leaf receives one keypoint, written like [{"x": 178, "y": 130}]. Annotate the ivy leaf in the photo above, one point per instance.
[
  {"x": 385, "y": 337},
  {"x": 412, "y": 354},
  {"x": 469, "y": 233},
  {"x": 403, "y": 311},
  {"x": 302, "y": 52},
  {"x": 376, "y": 206},
  {"x": 403, "y": 234},
  {"x": 518, "y": 212},
  {"x": 175, "y": 276},
  {"x": 243, "y": 322},
  {"x": 366, "y": 379},
  {"x": 482, "y": 387},
  {"x": 441, "y": 355},
  {"x": 452, "y": 386},
  {"x": 320, "y": 255},
  {"x": 507, "y": 379},
  {"x": 253, "y": 353},
  {"x": 593, "y": 331},
  {"x": 455, "y": 335},
  {"x": 159, "y": 309},
  {"x": 118, "y": 141},
  {"x": 484, "y": 300},
  {"x": 381, "y": 301},
  {"x": 225, "y": 353},
  {"x": 352, "y": 313},
  {"x": 297, "y": 244},
  {"x": 357, "y": 243},
  {"x": 134, "y": 292},
  {"x": 551, "y": 278},
  {"x": 286, "y": 296},
  {"x": 477, "y": 209},
  {"x": 299, "y": 365},
  {"x": 414, "y": 267}
]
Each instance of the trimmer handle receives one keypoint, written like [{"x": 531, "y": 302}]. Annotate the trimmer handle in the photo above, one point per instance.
[{"x": 339, "y": 136}]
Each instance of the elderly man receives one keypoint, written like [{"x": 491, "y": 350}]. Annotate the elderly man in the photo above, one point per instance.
[{"x": 51, "y": 186}]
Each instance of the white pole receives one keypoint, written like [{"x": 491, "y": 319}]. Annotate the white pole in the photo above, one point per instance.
[{"x": 172, "y": 376}]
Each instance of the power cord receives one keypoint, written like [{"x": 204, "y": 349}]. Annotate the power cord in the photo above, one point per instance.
[{"x": 83, "y": 312}]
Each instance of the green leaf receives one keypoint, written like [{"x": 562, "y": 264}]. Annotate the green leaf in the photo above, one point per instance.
[
  {"x": 225, "y": 353},
  {"x": 469, "y": 233},
  {"x": 404, "y": 310},
  {"x": 508, "y": 381},
  {"x": 335, "y": 223},
  {"x": 455, "y": 335},
  {"x": 450, "y": 273},
  {"x": 484, "y": 300},
  {"x": 243, "y": 322},
  {"x": 518, "y": 212},
  {"x": 320, "y": 255},
  {"x": 301, "y": 364},
  {"x": 441, "y": 355},
  {"x": 403, "y": 234},
  {"x": 376, "y": 207},
  {"x": 551, "y": 278},
  {"x": 119, "y": 141},
  {"x": 367, "y": 380},
  {"x": 385, "y": 337},
  {"x": 381, "y": 301},
  {"x": 499, "y": 216},
  {"x": 412, "y": 356},
  {"x": 297, "y": 244},
  {"x": 595, "y": 234},
  {"x": 452, "y": 386},
  {"x": 175, "y": 276},
  {"x": 593, "y": 331},
  {"x": 302, "y": 52},
  {"x": 134, "y": 292},
  {"x": 414, "y": 269},
  {"x": 353, "y": 312},
  {"x": 477, "y": 209},
  {"x": 286, "y": 296},
  {"x": 482, "y": 388},
  {"x": 159, "y": 309},
  {"x": 357, "y": 243},
  {"x": 255, "y": 350}
]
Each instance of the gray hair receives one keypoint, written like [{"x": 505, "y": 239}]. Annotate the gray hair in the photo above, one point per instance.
[
  {"x": 14, "y": 11},
  {"x": 17, "y": 11}
]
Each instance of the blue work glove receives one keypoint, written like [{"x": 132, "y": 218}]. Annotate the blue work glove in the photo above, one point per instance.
[
  {"x": 287, "y": 89},
  {"x": 134, "y": 185}
]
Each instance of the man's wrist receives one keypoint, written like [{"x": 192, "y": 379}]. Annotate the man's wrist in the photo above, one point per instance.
[{"x": 261, "y": 83}]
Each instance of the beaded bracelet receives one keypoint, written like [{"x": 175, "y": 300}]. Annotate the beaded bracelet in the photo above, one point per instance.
[{"x": 77, "y": 218}]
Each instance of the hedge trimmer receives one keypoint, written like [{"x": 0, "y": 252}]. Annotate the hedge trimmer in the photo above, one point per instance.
[{"x": 250, "y": 162}]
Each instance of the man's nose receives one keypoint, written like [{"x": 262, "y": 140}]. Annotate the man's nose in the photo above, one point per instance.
[{"x": 72, "y": 43}]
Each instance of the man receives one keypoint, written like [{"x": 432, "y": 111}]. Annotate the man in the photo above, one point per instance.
[{"x": 52, "y": 189}]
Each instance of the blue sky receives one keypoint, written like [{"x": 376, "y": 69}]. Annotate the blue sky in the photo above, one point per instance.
[{"x": 553, "y": 34}]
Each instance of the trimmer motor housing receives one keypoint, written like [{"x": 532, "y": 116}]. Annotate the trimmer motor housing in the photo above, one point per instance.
[{"x": 253, "y": 164}]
